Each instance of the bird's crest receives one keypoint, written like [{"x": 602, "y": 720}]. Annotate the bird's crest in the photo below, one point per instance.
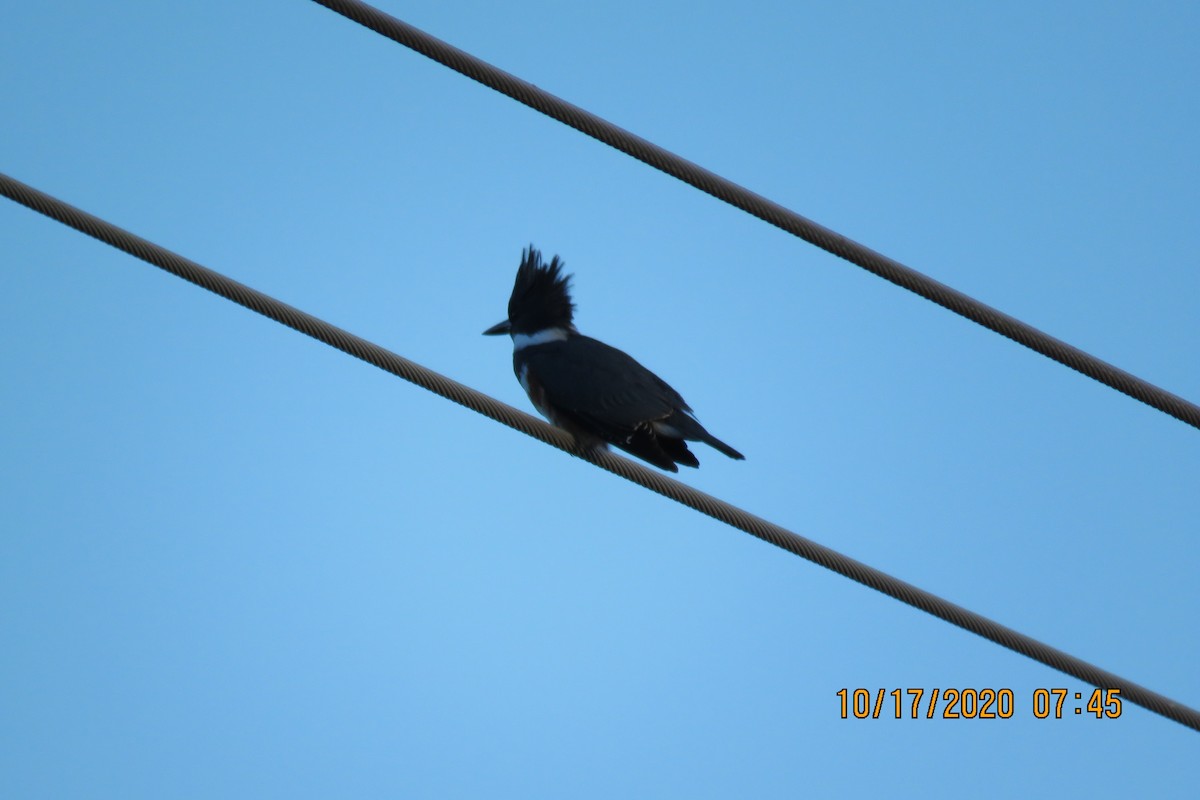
[{"x": 541, "y": 296}]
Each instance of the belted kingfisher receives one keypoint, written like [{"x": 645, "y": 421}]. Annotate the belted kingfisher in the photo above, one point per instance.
[{"x": 595, "y": 392}]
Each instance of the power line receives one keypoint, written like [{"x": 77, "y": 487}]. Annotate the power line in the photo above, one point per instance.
[
  {"x": 772, "y": 212},
  {"x": 501, "y": 412}
]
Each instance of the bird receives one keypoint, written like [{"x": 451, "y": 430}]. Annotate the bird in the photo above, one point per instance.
[{"x": 595, "y": 392}]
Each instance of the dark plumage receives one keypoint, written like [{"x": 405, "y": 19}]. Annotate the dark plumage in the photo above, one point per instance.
[
  {"x": 597, "y": 392},
  {"x": 541, "y": 296}
]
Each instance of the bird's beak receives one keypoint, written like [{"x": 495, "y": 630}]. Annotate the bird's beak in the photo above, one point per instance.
[{"x": 498, "y": 329}]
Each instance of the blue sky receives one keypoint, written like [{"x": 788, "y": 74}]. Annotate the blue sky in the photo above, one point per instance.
[{"x": 238, "y": 563}]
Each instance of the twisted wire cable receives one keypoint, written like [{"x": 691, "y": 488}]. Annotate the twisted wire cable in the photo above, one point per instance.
[
  {"x": 781, "y": 217},
  {"x": 501, "y": 412}
]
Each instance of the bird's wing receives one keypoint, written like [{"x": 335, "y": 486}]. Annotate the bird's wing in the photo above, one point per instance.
[{"x": 601, "y": 386}]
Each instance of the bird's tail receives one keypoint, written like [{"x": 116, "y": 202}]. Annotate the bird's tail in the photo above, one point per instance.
[
  {"x": 713, "y": 441},
  {"x": 684, "y": 425}
]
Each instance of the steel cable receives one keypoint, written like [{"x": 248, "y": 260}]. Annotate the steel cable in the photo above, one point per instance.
[
  {"x": 501, "y": 412},
  {"x": 779, "y": 216}
]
